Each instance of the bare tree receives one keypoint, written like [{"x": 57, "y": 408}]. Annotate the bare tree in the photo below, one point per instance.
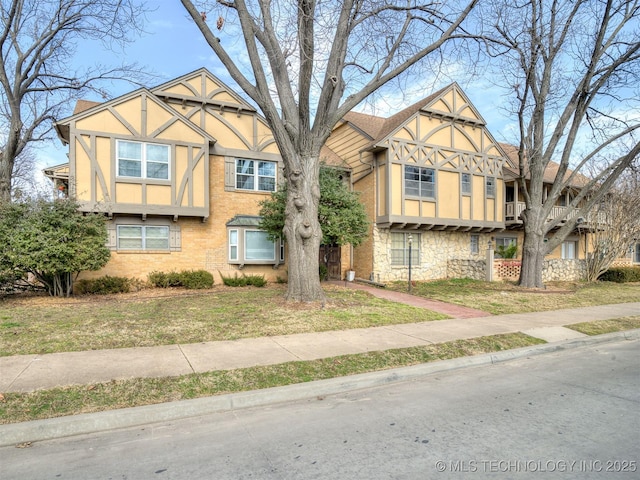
[
  {"x": 38, "y": 39},
  {"x": 23, "y": 177},
  {"x": 614, "y": 224},
  {"x": 310, "y": 63},
  {"x": 572, "y": 70}
]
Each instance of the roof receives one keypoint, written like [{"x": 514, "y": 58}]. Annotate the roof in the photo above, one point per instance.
[
  {"x": 244, "y": 221},
  {"x": 550, "y": 172},
  {"x": 377, "y": 128},
  {"x": 82, "y": 105},
  {"x": 331, "y": 159}
]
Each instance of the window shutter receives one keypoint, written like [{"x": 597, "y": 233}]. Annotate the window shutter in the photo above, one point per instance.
[
  {"x": 229, "y": 174},
  {"x": 112, "y": 238},
  {"x": 175, "y": 238}
]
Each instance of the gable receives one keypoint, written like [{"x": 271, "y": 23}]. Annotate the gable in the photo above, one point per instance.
[
  {"x": 204, "y": 88},
  {"x": 453, "y": 103}
]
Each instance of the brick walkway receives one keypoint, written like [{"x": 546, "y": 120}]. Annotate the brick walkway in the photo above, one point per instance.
[{"x": 454, "y": 311}]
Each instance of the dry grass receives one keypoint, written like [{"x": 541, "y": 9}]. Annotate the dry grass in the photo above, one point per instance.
[
  {"x": 607, "y": 326},
  {"x": 503, "y": 297},
  {"x": 20, "y": 407},
  {"x": 39, "y": 325}
]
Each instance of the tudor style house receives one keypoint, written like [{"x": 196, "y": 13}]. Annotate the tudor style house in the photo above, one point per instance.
[
  {"x": 432, "y": 179},
  {"x": 180, "y": 170}
]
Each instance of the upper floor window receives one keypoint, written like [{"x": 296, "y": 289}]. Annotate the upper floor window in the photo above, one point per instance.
[
  {"x": 491, "y": 186},
  {"x": 465, "y": 183},
  {"x": 419, "y": 181},
  {"x": 255, "y": 175},
  {"x": 143, "y": 160},
  {"x": 400, "y": 248},
  {"x": 142, "y": 237}
]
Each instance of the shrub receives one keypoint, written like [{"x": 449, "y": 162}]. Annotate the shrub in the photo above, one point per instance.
[
  {"x": 192, "y": 279},
  {"x": 323, "y": 271},
  {"x": 104, "y": 285},
  {"x": 196, "y": 279},
  {"x": 158, "y": 279},
  {"x": 507, "y": 252},
  {"x": 244, "y": 280},
  {"x": 621, "y": 275}
]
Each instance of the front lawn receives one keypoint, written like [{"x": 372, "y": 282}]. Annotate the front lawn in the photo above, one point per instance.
[
  {"x": 504, "y": 297},
  {"x": 162, "y": 317}
]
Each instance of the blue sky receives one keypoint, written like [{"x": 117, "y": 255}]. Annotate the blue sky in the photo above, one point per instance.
[{"x": 173, "y": 46}]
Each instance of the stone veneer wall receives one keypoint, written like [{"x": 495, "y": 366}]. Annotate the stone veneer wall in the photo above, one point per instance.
[
  {"x": 442, "y": 255},
  {"x": 475, "y": 269},
  {"x": 563, "y": 270},
  {"x": 448, "y": 255}
]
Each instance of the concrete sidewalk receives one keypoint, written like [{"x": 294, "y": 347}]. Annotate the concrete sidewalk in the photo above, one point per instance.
[{"x": 24, "y": 373}]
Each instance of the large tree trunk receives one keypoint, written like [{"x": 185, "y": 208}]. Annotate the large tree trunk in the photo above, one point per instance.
[
  {"x": 303, "y": 233},
  {"x": 7, "y": 158},
  {"x": 6, "y": 168},
  {"x": 533, "y": 249}
]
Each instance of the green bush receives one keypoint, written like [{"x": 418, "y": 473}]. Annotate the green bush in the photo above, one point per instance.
[
  {"x": 196, "y": 279},
  {"x": 158, "y": 279},
  {"x": 192, "y": 279},
  {"x": 507, "y": 252},
  {"x": 323, "y": 271},
  {"x": 103, "y": 285},
  {"x": 244, "y": 280},
  {"x": 621, "y": 275}
]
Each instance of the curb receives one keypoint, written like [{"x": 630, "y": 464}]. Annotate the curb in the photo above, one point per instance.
[{"x": 49, "y": 429}]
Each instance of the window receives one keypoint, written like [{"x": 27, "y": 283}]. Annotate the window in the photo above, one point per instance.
[
  {"x": 636, "y": 256},
  {"x": 142, "y": 237},
  {"x": 491, "y": 186},
  {"x": 400, "y": 248},
  {"x": 255, "y": 175},
  {"x": 142, "y": 160},
  {"x": 419, "y": 182},
  {"x": 257, "y": 246},
  {"x": 475, "y": 244},
  {"x": 251, "y": 246},
  {"x": 569, "y": 250},
  {"x": 506, "y": 241},
  {"x": 506, "y": 247},
  {"x": 465, "y": 183},
  {"x": 233, "y": 244}
]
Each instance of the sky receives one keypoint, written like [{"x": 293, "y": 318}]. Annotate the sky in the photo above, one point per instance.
[{"x": 173, "y": 46}]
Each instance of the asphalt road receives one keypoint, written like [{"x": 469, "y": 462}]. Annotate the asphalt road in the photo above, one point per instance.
[{"x": 572, "y": 414}]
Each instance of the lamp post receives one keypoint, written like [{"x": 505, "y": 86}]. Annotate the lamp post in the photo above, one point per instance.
[{"x": 410, "y": 240}]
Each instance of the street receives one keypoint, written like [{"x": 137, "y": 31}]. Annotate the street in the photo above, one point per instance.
[{"x": 571, "y": 414}]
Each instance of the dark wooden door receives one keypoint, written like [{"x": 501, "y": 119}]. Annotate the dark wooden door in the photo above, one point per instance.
[{"x": 330, "y": 257}]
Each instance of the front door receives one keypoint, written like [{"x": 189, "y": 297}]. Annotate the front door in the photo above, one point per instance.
[{"x": 330, "y": 257}]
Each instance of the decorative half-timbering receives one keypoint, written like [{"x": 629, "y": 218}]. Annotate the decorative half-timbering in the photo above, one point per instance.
[
  {"x": 136, "y": 155},
  {"x": 431, "y": 177},
  {"x": 442, "y": 168}
]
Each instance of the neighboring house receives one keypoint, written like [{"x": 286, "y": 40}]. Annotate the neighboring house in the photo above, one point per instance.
[
  {"x": 431, "y": 175},
  {"x": 179, "y": 170}
]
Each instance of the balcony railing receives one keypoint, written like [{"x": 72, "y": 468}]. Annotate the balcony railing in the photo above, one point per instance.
[{"x": 514, "y": 209}]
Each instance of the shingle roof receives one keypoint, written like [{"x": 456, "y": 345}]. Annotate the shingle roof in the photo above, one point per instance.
[
  {"x": 550, "y": 172},
  {"x": 332, "y": 159},
  {"x": 379, "y": 127},
  {"x": 82, "y": 105}
]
